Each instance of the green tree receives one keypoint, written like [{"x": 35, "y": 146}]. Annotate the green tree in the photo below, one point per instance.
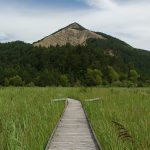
[
  {"x": 123, "y": 76},
  {"x": 133, "y": 75},
  {"x": 16, "y": 81},
  {"x": 6, "y": 82},
  {"x": 93, "y": 77},
  {"x": 43, "y": 78},
  {"x": 64, "y": 81},
  {"x": 112, "y": 74}
]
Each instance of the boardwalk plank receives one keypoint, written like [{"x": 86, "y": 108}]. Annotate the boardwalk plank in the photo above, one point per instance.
[{"x": 73, "y": 132}]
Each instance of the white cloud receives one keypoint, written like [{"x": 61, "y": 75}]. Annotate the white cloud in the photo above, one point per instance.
[
  {"x": 3, "y": 37},
  {"x": 128, "y": 22},
  {"x": 31, "y": 25},
  {"x": 101, "y": 3}
]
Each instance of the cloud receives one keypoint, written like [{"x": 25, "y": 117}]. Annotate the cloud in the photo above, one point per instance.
[
  {"x": 30, "y": 25},
  {"x": 130, "y": 1},
  {"x": 101, "y": 3},
  {"x": 4, "y": 37},
  {"x": 126, "y": 20},
  {"x": 112, "y": 3},
  {"x": 129, "y": 22}
]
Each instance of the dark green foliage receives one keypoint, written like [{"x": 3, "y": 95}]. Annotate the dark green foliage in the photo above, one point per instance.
[
  {"x": 6, "y": 82},
  {"x": 123, "y": 76},
  {"x": 68, "y": 65},
  {"x": 112, "y": 74},
  {"x": 64, "y": 81},
  {"x": 31, "y": 84},
  {"x": 16, "y": 81},
  {"x": 133, "y": 75},
  {"x": 93, "y": 77}
]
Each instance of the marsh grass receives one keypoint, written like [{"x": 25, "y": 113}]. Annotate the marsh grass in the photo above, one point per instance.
[
  {"x": 28, "y": 116},
  {"x": 120, "y": 118},
  {"x": 123, "y": 133}
]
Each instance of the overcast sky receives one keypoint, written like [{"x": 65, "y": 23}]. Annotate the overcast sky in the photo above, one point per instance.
[{"x": 31, "y": 20}]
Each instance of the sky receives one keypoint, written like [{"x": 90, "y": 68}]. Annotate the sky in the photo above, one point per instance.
[{"x": 31, "y": 20}]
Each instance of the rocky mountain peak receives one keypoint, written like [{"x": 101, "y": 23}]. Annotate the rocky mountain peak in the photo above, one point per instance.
[
  {"x": 73, "y": 34},
  {"x": 75, "y": 26}
]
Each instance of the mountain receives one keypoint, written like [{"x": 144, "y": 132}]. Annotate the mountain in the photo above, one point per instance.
[
  {"x": 74, "y": 56},
  {"x": 73, "y": 34}
]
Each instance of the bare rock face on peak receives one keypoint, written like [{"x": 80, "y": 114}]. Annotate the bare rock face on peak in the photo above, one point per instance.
[{"x": 73, "y": 34}]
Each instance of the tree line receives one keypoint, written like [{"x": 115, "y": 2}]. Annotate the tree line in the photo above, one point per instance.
[{"x": 95, "y": 64}]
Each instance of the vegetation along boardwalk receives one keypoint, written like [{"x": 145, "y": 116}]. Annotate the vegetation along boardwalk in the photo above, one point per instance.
[{"x": 73, "y": 131}]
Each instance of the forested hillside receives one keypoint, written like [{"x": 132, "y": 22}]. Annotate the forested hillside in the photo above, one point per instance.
[{"x": 100, "y": 62}]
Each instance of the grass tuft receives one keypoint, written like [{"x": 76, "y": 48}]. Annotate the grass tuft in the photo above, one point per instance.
[{"x": 123, "y": 133}]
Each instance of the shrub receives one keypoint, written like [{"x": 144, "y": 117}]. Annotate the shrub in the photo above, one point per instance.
[
  {"x": 93, "y": 77},
  {"x": 31, "y": 84},
  {"x": 117, "y": 84},
  {"x": 112, "y": 74},
  {"x": 133, "y": 75},
  {"x": 64, "y": 81},
  {"x": 16, "y": 81},
  {"x": 6, "y": 82}
]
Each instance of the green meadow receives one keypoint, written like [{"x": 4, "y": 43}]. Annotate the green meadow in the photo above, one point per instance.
[
  {"x": 27, "y": 117},
  {"x": 120, "y": 117}
]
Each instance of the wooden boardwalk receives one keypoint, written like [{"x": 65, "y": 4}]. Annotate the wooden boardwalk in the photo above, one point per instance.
[{"x": 73, "y": 131}]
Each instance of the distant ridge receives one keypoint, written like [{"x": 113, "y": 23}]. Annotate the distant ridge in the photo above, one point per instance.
[{"x": 74, "y": 34}]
